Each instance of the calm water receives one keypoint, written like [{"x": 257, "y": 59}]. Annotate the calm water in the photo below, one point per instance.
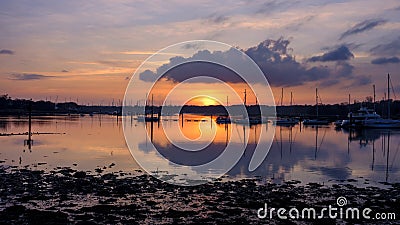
[{"x": 307, "y": 154}]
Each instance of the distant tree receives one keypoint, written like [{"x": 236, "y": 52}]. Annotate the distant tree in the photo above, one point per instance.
[
  {"x": 369, "y": 99},
  {"x": 4, "y": 99}
]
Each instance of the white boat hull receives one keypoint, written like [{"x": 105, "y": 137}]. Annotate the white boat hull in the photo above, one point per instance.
[{"x": 382, "y": 123}]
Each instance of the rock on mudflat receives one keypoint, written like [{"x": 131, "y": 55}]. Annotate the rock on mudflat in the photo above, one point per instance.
[{"x": 67, "y": 196}]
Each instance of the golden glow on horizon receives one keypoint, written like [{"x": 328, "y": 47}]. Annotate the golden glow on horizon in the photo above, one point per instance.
[
  {"x": 202, "y": 101},
  {"x": 209, "y": 101}
]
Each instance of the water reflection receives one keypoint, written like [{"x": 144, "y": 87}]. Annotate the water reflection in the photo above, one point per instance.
[
  {"x": 308, "y": 154},
  {"x": 84, "y": 143},
  {"x": 381, "y": 149}
]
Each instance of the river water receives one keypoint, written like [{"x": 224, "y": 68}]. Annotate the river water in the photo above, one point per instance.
[{"x": 320, "y": 154}]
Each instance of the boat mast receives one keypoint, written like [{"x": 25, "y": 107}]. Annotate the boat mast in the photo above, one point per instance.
[
  {"x": 316, "y": 99},
  {"x": 349, "y": 103},
  {"x": 291, "y": 98},
  {"x": 388, "y": 89},
  {"x": 282, "y": 98},
  {"x": 373, "y": 86},
  {"x": 245, "y": 96},
  {"x": 152, "y": 105}
]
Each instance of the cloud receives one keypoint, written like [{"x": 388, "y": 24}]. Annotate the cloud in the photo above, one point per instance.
[
  {"x": 328, "y": 83},
  {"x": 218, "y": 19},
  {"x": 361, "y": 81},
  {"x": 273, "y": 57},
  {"x": 148, "y": 76},
  {"x": 385, "y": 60},
  {"x": 188, "y": 70},
  {"x": 362, "y": 27},
  {"x": 299, "y": 23},
  {"x": 280, "y": 67},
  {"x": 6, "y": 52},
  {"x": 391, "y": 48},
  {"x": 275, "y": 5},
  {"x": 64, "y": 71},
  {"x": 28, "y": 76},
  {"x": 343, "y": 69},
  {"x": 195, "y": 46},
  {"x": 341, "y": 53}
]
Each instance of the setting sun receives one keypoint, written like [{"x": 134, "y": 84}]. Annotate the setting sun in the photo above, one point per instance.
[
  {"x": 202, "y": 101},
  {"x": 208, "y": 101}
]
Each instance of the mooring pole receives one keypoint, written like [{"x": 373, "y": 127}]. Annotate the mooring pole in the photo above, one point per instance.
[{"x": 30, "y": 122}]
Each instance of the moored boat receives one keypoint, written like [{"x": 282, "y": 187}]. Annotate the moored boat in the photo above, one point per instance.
[
  {"x": 358, "y": 118},
  {"x": 287, "y": 121},
  {"x": 380, "y": 122},
  {"x": 316, "y": 121},
  {"x": 223, "y": 120}
]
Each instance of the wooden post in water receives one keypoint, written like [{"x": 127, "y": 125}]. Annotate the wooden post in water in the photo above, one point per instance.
[
  {"x": 159, "y": 116},
  {"x": 182, "y": 119},
  {"x": 29, "y": 141},
  {"x": 30, "y": 122}
]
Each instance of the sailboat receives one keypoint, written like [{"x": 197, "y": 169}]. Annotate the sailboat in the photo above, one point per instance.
[
  {"x": 249, "y": 120},
  {"x": 315, "y": 121},
  {"x": 152, "y": 118},
  {"x": 380, "y": 122},
  {"x": 286, "y": 121},
  {"x": 224, "y": 119}
]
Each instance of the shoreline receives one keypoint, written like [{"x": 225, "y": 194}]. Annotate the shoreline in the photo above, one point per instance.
[{"x": 66, "y": 196}]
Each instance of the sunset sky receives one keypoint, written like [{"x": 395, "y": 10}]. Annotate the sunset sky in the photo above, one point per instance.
[{"x": 89, "y": 50}]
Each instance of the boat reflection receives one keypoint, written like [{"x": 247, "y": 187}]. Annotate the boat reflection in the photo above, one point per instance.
[
  {"x": 366, "y": 137},
  {"x": 305, "y": 153}
]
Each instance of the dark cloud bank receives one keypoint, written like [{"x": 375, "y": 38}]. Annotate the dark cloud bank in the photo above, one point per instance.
[
  {"x": 390, "y": 48},
  {"x": 341, "y": 53},
  {"x": 385, "y": 60},
  {"x": 28, "y": 76},
  {"x": 365, "y": 25},
  {"x": 277, "y": 63},
  {"x": 6, "y": 52}
]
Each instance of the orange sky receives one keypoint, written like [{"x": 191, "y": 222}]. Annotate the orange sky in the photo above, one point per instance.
[{"x": 88, "y": 51}]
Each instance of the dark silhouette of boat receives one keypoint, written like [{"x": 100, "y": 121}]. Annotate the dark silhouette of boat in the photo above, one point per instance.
[{"x": 223, "y": 120}]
